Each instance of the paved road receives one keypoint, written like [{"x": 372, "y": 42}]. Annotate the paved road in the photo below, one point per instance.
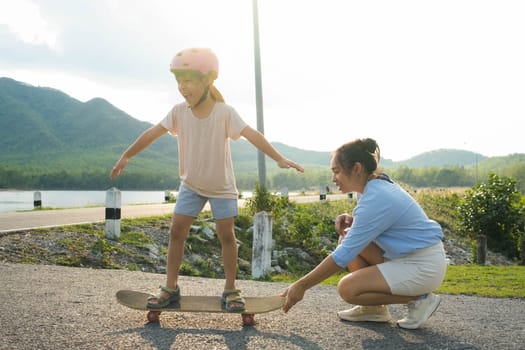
[
  {"x": 17, "y": 221},
  {"x": 58, "y": 308}
]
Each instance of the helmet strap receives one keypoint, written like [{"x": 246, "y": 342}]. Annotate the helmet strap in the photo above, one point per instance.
[{"x": 203, "y": 98}]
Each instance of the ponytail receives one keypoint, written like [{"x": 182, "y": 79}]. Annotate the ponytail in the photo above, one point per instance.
[
  {"x": 215, "y": 94},
  {"x": 372, "y": 147}
]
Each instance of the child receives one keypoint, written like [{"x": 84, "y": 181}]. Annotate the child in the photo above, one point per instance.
[
  {"x": 203, "y": 125},
  {"x": 392, "y": 249}
]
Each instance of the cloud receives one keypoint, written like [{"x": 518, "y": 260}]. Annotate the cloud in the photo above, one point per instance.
[
  {"x": 24, "y": 20},
  {"x": 392, "y": 69}
]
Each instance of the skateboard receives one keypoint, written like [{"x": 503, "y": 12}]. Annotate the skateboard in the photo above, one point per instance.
[{"x": 190, "y": 303}]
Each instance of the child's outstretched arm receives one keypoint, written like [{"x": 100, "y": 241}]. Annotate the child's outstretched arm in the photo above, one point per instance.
[
  {"x": 143, "y": 141},
  {"x": 258, "y": 140}
]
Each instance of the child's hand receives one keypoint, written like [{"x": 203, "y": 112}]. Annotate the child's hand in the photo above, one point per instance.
[
  {"x": 286, "y": 164},
  {"x": 118, "y": 168}
]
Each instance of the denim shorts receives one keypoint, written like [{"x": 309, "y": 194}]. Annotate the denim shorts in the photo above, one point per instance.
[
  {"x": 416, "y": 274},
  {"x": 190, "y": 203}
]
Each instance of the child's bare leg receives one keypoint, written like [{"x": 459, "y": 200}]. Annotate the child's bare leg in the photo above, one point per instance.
[
  {"x": 180, "y": 227},
  {"x": 226, "y": 234}
]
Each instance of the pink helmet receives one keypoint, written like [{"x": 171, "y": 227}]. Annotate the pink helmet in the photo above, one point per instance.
[{"x": 196, "y": 59}]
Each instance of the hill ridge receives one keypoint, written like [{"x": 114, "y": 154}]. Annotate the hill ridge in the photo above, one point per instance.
[{"x": 47, "y": 131}]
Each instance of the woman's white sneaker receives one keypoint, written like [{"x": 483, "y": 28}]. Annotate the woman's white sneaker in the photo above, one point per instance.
[
  {"x": 362, "y": 313},
  {"x": 419, "y": 311}
]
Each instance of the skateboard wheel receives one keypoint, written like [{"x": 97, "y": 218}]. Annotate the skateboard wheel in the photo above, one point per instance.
[
  {"x": 248, "y": 319},
  {"x": 153, "y": 316}
]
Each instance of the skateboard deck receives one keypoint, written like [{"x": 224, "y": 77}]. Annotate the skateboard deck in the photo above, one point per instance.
[{"x": 190, "y": 303}]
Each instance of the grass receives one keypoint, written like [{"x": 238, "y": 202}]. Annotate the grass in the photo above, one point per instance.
[
  {"x": 484, "y": 281},
  {"x": 135, "y": 238},
  {"x": 487, "y": 281}
]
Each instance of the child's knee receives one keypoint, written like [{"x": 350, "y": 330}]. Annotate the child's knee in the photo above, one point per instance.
[
  {"x": 227, "y": 238},
  {"x": 178, "y": 234}
]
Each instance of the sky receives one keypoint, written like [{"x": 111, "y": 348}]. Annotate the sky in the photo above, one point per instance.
[{"x": 414, "y": 75}]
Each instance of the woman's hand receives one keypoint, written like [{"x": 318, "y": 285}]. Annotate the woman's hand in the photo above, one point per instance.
[
  {"x": 293, "y": 294},
  {"x": 342, "y": 224}
]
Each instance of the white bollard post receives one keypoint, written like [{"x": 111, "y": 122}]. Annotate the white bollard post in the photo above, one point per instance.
[
  {"x": 322, "y": 194},
  {"x": 262, "y": 244},
  {"x": 113, "y": 201},
  {"x": 37, "y": 200}
]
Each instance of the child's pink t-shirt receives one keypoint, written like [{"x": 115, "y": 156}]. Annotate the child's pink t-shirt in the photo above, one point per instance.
[{"x": 205, "y": 164}]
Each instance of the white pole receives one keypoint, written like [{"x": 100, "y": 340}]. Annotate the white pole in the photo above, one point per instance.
[
  {"x": 37, "y": 200},
  {"x": 113, "y": 202},
  {"x": 322, "y": 194},
  {"x": 258, "y": 92},
  {"x": 262, "y": 244}
]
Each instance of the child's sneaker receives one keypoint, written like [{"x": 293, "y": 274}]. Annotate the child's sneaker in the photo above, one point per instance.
[
  {"x": 361, "y": 313},
  {"x": 419, "y": 311}
]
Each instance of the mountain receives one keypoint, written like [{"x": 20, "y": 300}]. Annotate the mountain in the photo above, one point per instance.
[
  {"x": 442, "y": 157},
  {"x": 44, "y": 128},
  {"x": 42, "y": 124}
]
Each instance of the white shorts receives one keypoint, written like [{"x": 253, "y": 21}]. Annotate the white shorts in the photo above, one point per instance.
[{"x": 416, "y": 274}]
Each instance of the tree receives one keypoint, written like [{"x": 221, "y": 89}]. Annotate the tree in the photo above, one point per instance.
[{"x": 494, "y": 210}]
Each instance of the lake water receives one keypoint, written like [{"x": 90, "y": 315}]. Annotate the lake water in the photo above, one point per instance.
[{"x": 11, "y": 201}]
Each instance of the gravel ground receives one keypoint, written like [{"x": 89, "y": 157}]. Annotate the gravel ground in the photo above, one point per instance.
[{"x": 54, "y": 307}]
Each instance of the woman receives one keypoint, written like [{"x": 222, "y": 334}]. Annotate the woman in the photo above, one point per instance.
[{"x": 392, "y": 249}]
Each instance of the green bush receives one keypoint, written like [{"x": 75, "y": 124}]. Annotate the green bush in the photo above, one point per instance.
[
  {"x": 263, "y": 200},
  {"x": 494, "y": 209},
  {"x": 441, "y": 205},
  {"x": 309, "y": 227}
]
